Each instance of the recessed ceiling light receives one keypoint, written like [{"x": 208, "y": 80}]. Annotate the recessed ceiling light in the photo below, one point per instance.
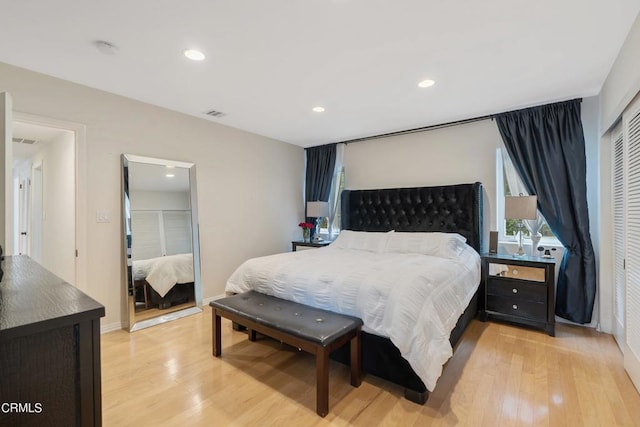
[
  {"x": 194, "y": 55},
  {"x": 169, "y": 175},
  {"x": 426, "y": 83},
  {"x": 318, "y": 109}
]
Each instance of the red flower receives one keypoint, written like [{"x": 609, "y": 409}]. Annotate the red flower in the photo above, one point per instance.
[{"x": 306, "y": 225}]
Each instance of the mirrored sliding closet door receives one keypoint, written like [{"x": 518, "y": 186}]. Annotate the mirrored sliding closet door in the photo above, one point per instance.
[{"x": 160, "y": 240}]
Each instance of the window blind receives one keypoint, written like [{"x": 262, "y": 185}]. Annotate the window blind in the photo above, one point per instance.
[
  {"x": 160, "y": 233},
  {"x": 146, "y": 240},
  {"x": 177, "y": 232}
]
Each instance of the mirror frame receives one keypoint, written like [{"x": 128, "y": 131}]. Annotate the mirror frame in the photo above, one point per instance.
[{"x": 126, "y": 216}]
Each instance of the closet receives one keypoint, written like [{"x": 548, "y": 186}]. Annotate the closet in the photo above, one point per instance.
[{"x": 626, "y": 237}]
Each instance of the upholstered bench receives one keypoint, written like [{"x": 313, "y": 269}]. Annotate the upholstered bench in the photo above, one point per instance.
[{"x": 315, "y": 331}]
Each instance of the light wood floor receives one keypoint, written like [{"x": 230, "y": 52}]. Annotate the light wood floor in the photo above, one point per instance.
[{"x": 500, "y": 375}]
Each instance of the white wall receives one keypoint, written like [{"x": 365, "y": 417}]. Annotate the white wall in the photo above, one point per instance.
[
  {"x": 590, "y": 124},
  {"x": 159, "y": 200},
  {"x": 249, "y": 187},
  {"x": 58, "y": 223},
  {"x": 623, "y": 82},
  {"x": 454, "y": 155},
  {"x": 6, "y": 179}
]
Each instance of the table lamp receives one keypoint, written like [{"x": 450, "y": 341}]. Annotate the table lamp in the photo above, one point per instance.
[
  {"x": 520, "y": 208},
  {"x": 317, "y": 210}
]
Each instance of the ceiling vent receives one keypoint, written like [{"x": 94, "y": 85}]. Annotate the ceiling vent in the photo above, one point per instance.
[
  {"x": 214, "y": 113},
  {"x": 24, "y": 141}
]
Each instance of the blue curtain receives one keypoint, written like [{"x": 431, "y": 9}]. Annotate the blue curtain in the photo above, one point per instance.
[
  {"x": 546, "y": 145},
  {"x": 321, "y": 162}
]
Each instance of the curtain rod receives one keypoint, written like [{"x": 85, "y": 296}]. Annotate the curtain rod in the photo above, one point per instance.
[
  {"x": 439, "y": 126},
  {"x": 420, "y": 129}
]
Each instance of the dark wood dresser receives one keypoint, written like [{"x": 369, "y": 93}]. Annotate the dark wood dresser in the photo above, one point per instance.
[{"x": 49, "y": 349}]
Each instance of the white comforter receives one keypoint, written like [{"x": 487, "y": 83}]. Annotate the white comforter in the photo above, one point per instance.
[
  {"x": 415, "y": 300},
  {"x": 162, "y": 273}
]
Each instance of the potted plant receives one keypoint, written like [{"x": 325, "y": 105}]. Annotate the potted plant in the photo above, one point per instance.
[{"x": 306, "y": 230}]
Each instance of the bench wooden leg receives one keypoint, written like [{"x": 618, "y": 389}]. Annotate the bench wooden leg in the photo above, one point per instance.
[
  {"x": 356, "y": 360},
  {"x": 322, "y": 381},
  {"x": 252, "y": 334},
  {"x": 217, "y": 344}
]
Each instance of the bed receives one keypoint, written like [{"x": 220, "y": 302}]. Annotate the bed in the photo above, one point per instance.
[
  {"x": 395, "y": 222},
  {"x": 164, "y": 281}
]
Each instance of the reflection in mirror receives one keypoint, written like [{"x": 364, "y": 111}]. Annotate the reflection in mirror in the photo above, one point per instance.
[
  {"x": 160, "y": 240},
  {"x": 535, "y": 274}
]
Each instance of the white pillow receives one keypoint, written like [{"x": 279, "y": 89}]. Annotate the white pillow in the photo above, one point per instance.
[
  {"x": 445, "y": 245},
  {"x": 361, "y": 240}
]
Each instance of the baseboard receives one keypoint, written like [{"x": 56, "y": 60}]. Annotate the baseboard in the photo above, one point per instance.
[
  {"x": 111, "y": 327},
  {"x": 117, "y": 326},
  {"x": 632, "y": 366},
  {"x": 206, "y": 301},
  {"x": 592, "y": 325}
]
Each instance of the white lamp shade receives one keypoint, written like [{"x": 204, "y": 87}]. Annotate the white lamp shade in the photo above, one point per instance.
[
  {"x": 520, "y": 207},
  {"x": 317, "y": 209}
]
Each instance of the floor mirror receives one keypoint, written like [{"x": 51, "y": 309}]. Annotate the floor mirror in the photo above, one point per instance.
[{"x": 161, "y": 247}]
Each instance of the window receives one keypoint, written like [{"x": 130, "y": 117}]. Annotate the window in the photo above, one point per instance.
[
  {"x": 337, "y": 185},
  {"x": 508, "y": 183},
  {"x": 331, "y": 226},
  {"x": 160, "y": 233}
]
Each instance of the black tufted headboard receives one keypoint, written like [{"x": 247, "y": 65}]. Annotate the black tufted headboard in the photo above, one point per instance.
[{"x": 446, "y": 208}]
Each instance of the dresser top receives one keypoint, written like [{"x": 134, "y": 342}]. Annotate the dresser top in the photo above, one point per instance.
[
  {"x": 522, "y": 260},
  {"x": 32, "y": 299}
]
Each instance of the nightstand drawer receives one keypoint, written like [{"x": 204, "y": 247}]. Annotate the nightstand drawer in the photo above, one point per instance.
[
  {"x": 517, "y": 289},
  {"x": 515, "y": 307},
  {"x": 519, "y": 272}
]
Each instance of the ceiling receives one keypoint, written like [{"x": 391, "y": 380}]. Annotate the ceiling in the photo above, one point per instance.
[
  {"x": 268, "y": 63},
  {"x": 155, "y": 177},
  {"x": 42, "y": 135}
]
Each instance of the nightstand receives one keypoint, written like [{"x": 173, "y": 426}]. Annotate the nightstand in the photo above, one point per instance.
[
  {"x": 296, "y": 244},
  {"x": 519, "y": 290}
]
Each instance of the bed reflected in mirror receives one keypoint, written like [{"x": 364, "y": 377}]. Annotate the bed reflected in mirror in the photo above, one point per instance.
[{"x": 160, "y": 240}]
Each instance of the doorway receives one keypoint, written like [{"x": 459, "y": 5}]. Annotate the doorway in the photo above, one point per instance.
[
  {"x": 7, "y": 201},
  {"x": 44, "y": 168}
]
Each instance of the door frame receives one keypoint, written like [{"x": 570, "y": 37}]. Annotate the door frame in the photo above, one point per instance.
[
  {"x": 6, "y": 173},
  {"x": 618, "y": 329},
  {"x": 36, "y": 211},
  {"x": 80, "y": 132}
]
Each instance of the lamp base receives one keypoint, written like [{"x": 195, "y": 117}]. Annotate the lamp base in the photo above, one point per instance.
[
  {"x": 316, "y": 232},
  {"x": 520, "y": 253}
]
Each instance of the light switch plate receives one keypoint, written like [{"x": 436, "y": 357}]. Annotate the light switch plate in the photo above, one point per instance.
[{"x": 103, "y": 216}]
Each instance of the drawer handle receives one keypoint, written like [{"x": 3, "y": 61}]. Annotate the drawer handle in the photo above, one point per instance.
[
  {"x": 514, "y": 290},
  {"x": 515, "y": 272},
  {"x": 515, "y": 306}
]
